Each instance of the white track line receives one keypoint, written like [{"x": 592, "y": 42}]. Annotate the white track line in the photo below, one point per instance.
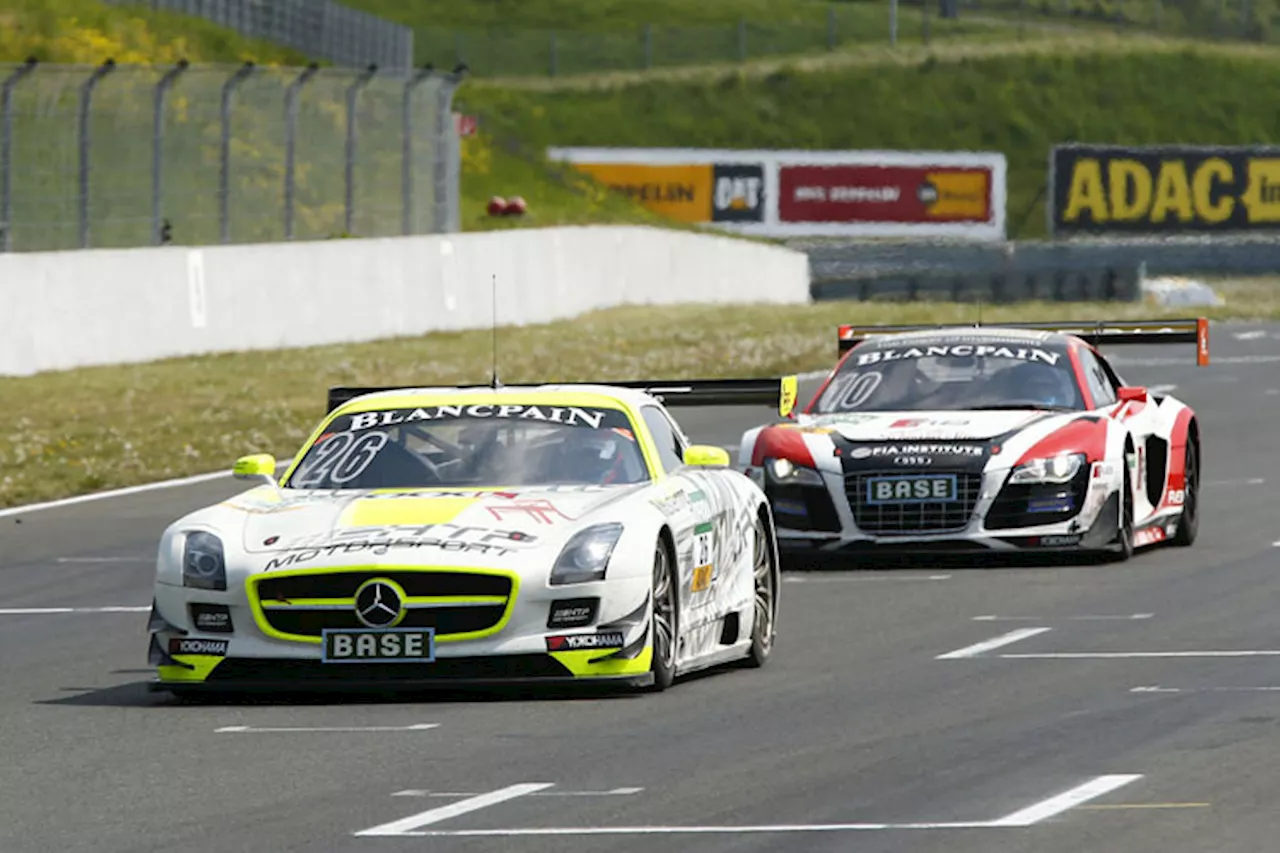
[
  {"x": 691, "y": 830},
  {"x": 994, "y": 643},
  {"x": 105, "y": 559},
  {"x": 1228, "y": 653},
  {"x": 160, "y": 485},
  {"x": 406, "y": 826},
  {"x": 416, "y": 727},
  {"x": 1029, "y": 816},
  {"x": 1155, "y": 689},
  {"x": 861, "y": 578},
  {"x": 616, "y": 792},
  {"x": 1054, "y": 806},
  {"x": 115, "y": 493},
  {"x": 1123, "y": 618},
  {"x": 43, "y": 611}
]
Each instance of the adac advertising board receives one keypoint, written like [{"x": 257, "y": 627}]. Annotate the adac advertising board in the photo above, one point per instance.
[
  {"x": 810, "y": 193},
  {"x": 1166, "y": 189}
]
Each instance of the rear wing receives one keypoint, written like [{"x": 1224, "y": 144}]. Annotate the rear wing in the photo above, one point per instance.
[
  {"x": 780, "y": 391},
  {"x": 1101, "y": 333}
]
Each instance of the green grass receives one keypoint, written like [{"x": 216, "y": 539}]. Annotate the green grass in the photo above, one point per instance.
[
  {"x": 564, "y": 37},
  {"x": 96, "y": 428},
  {"x": 90, "y": 31},
  {"x": 1019, "y": 99}
]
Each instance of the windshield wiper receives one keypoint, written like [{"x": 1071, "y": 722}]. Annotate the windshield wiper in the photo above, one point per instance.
[{"x": 1041, "y": 407}]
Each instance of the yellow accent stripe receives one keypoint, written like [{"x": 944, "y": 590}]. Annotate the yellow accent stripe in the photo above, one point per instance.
[
  {"x": 204, "y": 665},
  {"x": 579, "y": 663}
]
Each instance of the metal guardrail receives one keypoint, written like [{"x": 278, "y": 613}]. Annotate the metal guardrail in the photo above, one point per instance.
[
  {"x": 320, "y": 29},
  {"x": 116, "y": 156},
  {"x": 1073, "y": 270}
]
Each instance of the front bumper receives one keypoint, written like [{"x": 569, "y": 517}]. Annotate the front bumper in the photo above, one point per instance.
[
  {"x": 823, "y": 520},
  {"x": 249, "y": 652}
]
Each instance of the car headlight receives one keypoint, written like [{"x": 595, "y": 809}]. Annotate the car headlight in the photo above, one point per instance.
[
  {"x": 586, "y": 556},
  {"x": 786, "y": 472},
  {"x": 204, "y": 565},
  {"x": 1056, "y": 469}
]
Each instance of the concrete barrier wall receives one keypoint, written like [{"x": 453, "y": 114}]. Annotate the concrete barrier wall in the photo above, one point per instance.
[{"x": 61, "y": 310}]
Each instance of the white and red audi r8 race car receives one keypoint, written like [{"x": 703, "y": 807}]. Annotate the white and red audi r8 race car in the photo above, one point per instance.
[{"x": 984, "y": 438}]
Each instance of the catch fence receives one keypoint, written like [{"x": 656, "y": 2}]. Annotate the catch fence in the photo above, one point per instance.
[{"x": 124, "y": 156}]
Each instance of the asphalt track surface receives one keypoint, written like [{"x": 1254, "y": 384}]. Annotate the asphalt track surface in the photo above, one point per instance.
[{"x": 857, "y": 735}]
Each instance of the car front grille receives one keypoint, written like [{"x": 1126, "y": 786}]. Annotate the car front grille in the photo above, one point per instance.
[
  {"x": 301, "y": 605},
  {"x": 906, "y": 518}
]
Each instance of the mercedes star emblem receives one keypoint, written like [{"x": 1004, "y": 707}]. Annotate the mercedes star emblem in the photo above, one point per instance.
[{"x": 379, "y": 603}]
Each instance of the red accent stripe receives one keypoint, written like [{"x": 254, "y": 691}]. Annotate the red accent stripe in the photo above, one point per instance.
[
  {"x": 1080, "y": 436},
  {"x": 781, "y": 442},
  {"x": 1078, "y": 369},
  {"x": 1177, "y": 478}
]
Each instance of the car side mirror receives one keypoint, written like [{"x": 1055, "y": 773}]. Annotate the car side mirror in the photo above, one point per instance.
[
  {"x": 1132, "y": 394},
  {"x": 704, "y": 455},
  {"x": 260, "y": 466}
]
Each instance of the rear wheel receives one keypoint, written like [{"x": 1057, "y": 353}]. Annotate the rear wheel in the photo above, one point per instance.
[
  {"x": 665, "y": 621},
  {"x": 1189, "y": 524},
  {"x": 766, "y": 600}
]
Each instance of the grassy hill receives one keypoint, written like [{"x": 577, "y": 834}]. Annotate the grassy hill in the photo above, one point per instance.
[
  {"x": 558, "y": 37},
  {"x": 1019, "y": 102},
  {"x": 89, "y": 31}
]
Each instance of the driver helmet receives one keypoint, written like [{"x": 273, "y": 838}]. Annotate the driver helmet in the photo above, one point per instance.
[
  {"x": 1040, "y": 383},
  {"x": 591, "y": 458}
]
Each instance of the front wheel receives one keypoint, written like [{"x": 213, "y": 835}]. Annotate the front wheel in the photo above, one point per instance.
[
  {"x": 764, "y": 626},
  {"x": 1189, "y": 524},
  {"x": 1124, "y": 530},
  {"x": 665, "y": 620}
]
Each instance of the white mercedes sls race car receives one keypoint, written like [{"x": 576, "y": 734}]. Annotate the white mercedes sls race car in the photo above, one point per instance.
[
  {"x": 987, "y": 438},
  {"x": 469, "y": 535}
]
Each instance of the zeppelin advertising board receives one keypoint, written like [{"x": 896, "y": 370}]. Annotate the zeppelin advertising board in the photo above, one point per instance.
[
  {"x": 1166, "y": 190},
  {"x": 810, "y": 193}
]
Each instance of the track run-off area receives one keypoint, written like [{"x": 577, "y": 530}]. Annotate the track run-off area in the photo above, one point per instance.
[{"x": 932, "y": 707}]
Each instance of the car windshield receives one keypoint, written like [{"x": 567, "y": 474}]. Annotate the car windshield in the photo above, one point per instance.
[
  {"x": 953, "y": 373},
  {"x": 477, "y": 446}
]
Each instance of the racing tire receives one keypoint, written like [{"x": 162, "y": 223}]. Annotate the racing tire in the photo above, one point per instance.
[
  {"x": 765, "y": 598},
  {"x": 1189, "y": 522},
  {"x": 1124, "y": 529},
  {"x": 665, "y": 622}
]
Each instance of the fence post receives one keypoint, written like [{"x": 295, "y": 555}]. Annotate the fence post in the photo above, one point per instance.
[
  {"x": 224, "y": 161},
  {"x": 553, "y": 58},
  {"x": 648, "y": 46},
  {"x": 893, "y": 23},
  {"x": 353, "y": 93},
  {"x": 291, "y": 141},
  {"x": 6, "y": 153},
  {"x": 157, "y": 147},
  {"x": 86, "y": 101},
  {"x": 445, "y": 152},
  {"x": 742, "y": 39},
  {"x": 924, "y": 22},
  {"x": 831, "y": 28},
  {"x": 407, "y": 219}
]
